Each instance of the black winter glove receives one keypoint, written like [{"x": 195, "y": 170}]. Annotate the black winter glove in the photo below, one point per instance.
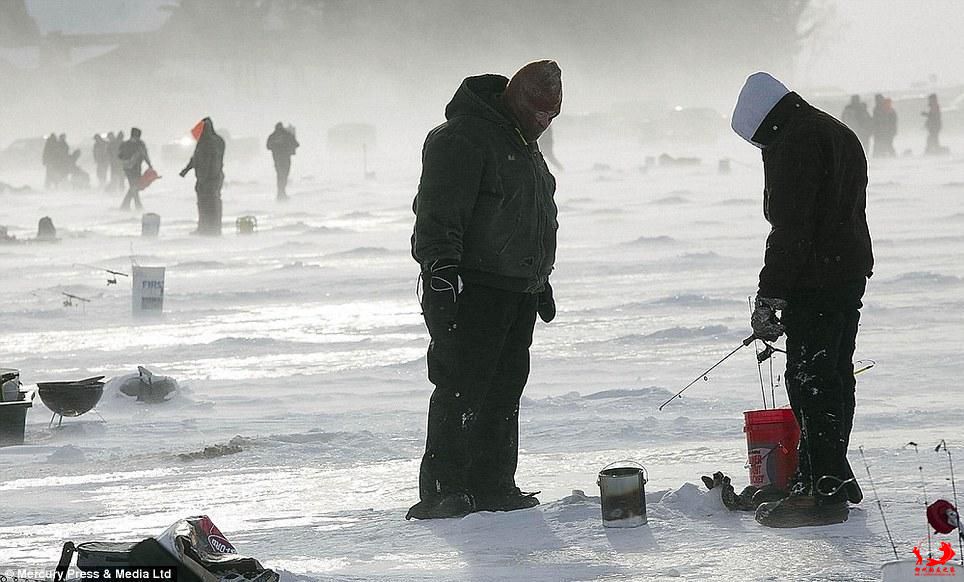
[
  {"x": 732, "y": 501},
  {"x": 764, "y": 321},
  {"x": 440, "y": 293},
  {"x": 545, "y": 304}
]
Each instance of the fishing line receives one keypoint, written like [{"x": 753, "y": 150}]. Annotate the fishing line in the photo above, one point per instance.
[
  {"x": 841, "y": 483},
  {"x": 756, "y": 349},
  {"x": 773, "y": 396}
]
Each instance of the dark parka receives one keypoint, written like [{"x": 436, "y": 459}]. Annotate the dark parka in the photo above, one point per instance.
[
  {"x": 208, "y": 160},
  {"x": 282, "y": 143},
  {"x": 814, "y": 199},
  {"x": 485, "y": 198}
]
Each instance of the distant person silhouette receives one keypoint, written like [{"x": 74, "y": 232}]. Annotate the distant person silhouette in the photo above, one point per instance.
[
  {"x": 933, "y": 126},
  {"x": 132, "y": 154},
  {"x": 885, "y": 127},
  {"x": 49, "y": 161},
  {"x": 858, "y": 119},
  {"x": 59, "y": 160},
  {"x": 116, "y": 165},
  {"x": 283, "y": 145},
  {"x": 208, "y": 165},
  {"x": 101, "y": 158}
]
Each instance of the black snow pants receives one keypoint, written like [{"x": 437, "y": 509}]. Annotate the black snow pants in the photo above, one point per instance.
[
  {"x": 821, "y": 328},
  {"x": 133, "y": 189},
  {"x": 479, "y": 371},
  {"x": 282, "y": 167},
  {"x": 209, "y": 206}
]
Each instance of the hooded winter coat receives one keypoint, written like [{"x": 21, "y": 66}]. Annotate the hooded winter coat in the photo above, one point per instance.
[
  {"x": 282, "y": 143},
  {"x": 208, "y": 159},
  {"x": 814, "y": 199},
  {"x": 485, "y": 198}
]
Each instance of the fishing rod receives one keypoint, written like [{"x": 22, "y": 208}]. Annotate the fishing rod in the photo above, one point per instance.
[
  {"x": 865, "y": 365},
  {"x": 112, "y": 275},
  {"x": 920, "y": 469},
  {"x": 702, "y": 376},
  {"x": 956, "y": 517},
  {"x": 879, "y": 506}
]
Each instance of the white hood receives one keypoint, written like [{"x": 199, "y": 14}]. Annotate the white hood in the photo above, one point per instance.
[{"x": 759, "y": 95}]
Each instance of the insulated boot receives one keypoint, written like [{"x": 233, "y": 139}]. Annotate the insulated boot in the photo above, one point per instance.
[
  {"x": 802, "y": 511},
  {"x": 509, "y": 501},
  {"x": 767, "y": 494},
  {"x": 451, "y": 505}
]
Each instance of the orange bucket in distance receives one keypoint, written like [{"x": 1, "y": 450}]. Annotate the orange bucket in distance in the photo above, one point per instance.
[{"x": 772, "y": 437}]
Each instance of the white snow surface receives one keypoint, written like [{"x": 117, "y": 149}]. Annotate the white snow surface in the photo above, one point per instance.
[{"x": 305, "y": 340}]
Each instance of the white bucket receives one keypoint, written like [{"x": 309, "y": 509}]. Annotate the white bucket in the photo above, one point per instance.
[
  {"x": 622, "y": 492},
  {"x": 147, "y": 290},
  {"x": 150, "y": 224}
]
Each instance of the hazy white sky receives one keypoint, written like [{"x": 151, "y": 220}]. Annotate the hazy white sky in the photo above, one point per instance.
[
  {"x": 867, "y": 45},
  {"x": 888, "y": 44}
]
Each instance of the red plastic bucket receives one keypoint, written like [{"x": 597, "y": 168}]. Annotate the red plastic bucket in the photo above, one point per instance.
[
  {"x": 147, "y": 179},
  {"x": 772, "y": 437}
]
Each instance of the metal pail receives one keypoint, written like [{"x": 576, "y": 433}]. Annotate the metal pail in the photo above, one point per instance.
[{"x": 622, "y": 492}]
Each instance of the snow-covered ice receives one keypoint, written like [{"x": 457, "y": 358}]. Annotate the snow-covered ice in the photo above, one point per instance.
[{"x": 305, "y": 340}]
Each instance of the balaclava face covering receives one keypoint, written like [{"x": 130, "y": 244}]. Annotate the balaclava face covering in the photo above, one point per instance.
[
  {"x": 759, "y": 95},
  {"x": 534, "y": 97}
]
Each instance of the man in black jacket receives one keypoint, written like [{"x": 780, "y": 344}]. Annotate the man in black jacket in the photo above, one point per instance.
[
  {"x": 485, "y": 237},
  {"x": 817, "y": 261},
  {"x": 283, "y": 145},
  {"x": 132, "y": 154}
]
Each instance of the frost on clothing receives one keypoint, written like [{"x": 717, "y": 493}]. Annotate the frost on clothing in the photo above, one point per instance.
[
  {"x": 815, "y": 200},
  {"x": 817, "y": 260}
]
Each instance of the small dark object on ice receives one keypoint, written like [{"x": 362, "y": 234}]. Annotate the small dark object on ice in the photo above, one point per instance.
[
  {"x": 802, "y": 511},
  {"x": 232, "y": 447},
  {"x": 447, "y": 506},
  {"x": 667, "y": 160},
  {"x": 148, "y": 387},
  {"x": 46, "y": 230},
  {"x": 748, "y": 499}
]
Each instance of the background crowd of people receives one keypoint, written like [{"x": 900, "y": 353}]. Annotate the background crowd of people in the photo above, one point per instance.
[
  {"x": 878, "y": 129},
  {"x": 118, "y": 159}
]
